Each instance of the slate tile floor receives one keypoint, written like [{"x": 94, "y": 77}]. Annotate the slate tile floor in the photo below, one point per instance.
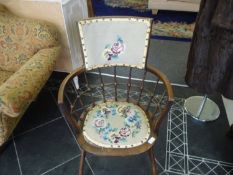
[
  {"x": 43, "y": 144},
  {"x": 9, "y": 162}
]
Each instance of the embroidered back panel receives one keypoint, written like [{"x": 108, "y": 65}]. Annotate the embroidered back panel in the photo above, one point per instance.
[{"x": 110, "y": 41}]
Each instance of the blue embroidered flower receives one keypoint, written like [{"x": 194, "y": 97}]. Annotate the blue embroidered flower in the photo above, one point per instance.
[
  {"x": 100, "y": 113},
  {"x": 114, "y": 112},
  {"x": 113, "y": 109}
]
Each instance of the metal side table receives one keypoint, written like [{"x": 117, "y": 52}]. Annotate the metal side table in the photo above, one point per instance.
[{"x": 202, "y": 108}]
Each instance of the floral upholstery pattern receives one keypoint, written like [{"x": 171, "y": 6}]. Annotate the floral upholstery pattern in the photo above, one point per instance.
[
  {"x": 4, "y": 75},
  {"x": 28, "y": 52},
  {"x": 116, "y": 125},
  {"x": 21, "y": 38},
  {"x": 30, "y": 78},
  {"x": 22, "y": 88}
]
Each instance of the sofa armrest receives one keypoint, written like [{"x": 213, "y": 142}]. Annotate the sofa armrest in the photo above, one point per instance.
[{"x": 25, "y": 84}]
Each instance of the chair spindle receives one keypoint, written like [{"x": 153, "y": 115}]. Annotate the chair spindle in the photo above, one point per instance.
[
  {"x": 89, "y": 88},
  {"x": 129, "y": 83},
  {"x": 68, "y": 99},
  {"x": 102, "y": 84},
  {"x": 152, "y": 96},
  {"x": 115, "y": 83},
  {"x": 142, "y": 86},
  {"x": 78, "y": 97},
  {"x": 159, "y": 102}
]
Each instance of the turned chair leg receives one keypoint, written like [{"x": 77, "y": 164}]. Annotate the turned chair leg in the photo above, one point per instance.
[
  {"x": 82, "y": 161},
  {"x": 153, "y": 163}
]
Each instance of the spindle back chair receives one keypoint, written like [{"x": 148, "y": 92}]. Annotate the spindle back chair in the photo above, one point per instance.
[{"x": 121, "y": 101}]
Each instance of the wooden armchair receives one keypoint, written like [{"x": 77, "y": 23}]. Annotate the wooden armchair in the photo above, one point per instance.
[{"x": 114, "y": 116}]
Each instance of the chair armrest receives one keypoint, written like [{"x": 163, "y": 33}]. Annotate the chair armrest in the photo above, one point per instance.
[
  {"x": 76, "y": 126},
  {"x": 24, "y": 85}
]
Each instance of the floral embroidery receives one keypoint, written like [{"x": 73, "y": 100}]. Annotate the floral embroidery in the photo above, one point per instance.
[
  {"x": 99, "y": 123},
  {"x": 125, "y": 132},
  {"x": 131, "y": 122},
  {"x": 113, "y": 51},
  {"x": 116, "y": 125}
]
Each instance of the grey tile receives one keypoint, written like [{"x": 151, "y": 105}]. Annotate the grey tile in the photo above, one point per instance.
[
  {"x": 170, "y": 173},
  {"x": 55, "y": 80},
  {"x": 160, "y": 145},
  {"x": 170, "y": 57},
  {"x": 70, "y": 168},
  {"x": 42, "y": 110},
  {"x": 136, "y": 165},
  {"x": 8, "y": 161},
  {"x": 210, "y": 139},
  {"x": 46, "y": 147},
  {"x": 184, "y": 92}
]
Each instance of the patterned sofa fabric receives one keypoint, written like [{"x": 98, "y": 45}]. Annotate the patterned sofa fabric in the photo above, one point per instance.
[
  {"x": 21, "y": 38},
  {"x": 28, "y": 52},
  {"x": 22, "y": 88},
  {"x": 4, "y": 75}
]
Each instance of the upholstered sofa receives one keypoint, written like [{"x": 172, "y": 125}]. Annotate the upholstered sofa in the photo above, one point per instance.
[{"x": 28, "y": 51}]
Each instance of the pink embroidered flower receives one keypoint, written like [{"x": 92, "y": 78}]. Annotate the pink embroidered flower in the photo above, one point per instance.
[
  {"x": 125, "y": 132},
  {"x": 112, "y": 51},
  {"x": 117, "y": 48},
  {"x": 99, "y": 123}
]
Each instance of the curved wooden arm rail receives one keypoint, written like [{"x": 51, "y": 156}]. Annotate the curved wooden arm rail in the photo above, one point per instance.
[{"x": 155, "y": 97}]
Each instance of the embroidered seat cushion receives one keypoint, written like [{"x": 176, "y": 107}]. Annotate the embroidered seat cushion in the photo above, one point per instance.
[{"x": 116, "y": 125}]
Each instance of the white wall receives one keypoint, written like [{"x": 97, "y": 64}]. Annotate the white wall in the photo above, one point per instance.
[{"x": 73, "y": 11}]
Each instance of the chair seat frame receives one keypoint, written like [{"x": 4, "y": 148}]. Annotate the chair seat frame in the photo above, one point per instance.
[{"x": 154, "y": 122}]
